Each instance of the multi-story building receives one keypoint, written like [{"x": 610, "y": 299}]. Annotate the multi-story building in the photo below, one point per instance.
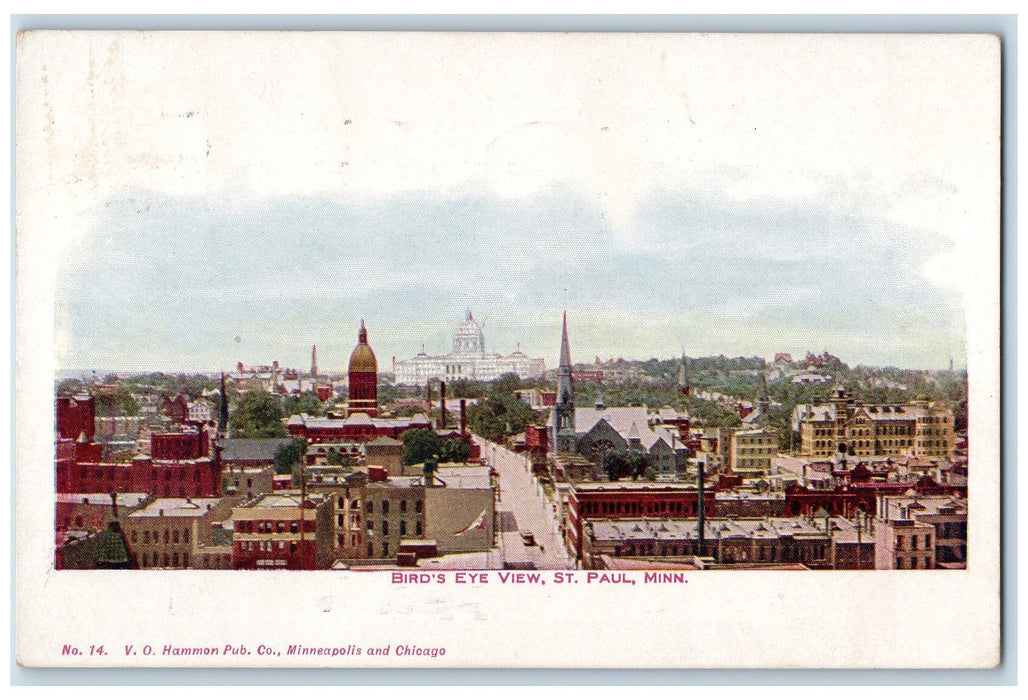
[
  {"x": 467, "y": 360},
  {"x": 180, "y": 465},
  {"x": 629, "y": 500},
  {"x": 166, "y": 533},
  {"x": 751, "y": 543},
  {"x": 921, "y": 428},
  {"x": 901, "y": 542},
  {"x": 947, "y": 515},
  {"x": 283, "y": 531},
  {"x": 752, "y": 451}
]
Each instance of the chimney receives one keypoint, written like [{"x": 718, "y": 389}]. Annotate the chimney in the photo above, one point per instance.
[
  {"x": 464, "y": 417},
  {"x": 442, "y": 405},
  {"x": 114, "y": 505}
]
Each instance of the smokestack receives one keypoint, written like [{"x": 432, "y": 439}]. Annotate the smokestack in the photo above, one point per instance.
[
  {"x": 428, "y": 396},
  {"x": 701, "y": 522},
  {"x": 114, "y": 504},
  {"x": 463, "y": 417},
  {"x": 442, "y": 405}
]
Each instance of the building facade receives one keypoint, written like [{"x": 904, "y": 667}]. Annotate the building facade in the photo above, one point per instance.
[
  {"x": 921, "y": 428},
  {"x": 467, "y": 360}
]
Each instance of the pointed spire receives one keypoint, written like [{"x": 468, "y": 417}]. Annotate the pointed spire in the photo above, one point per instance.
[
  {"x": 362, "y": 336},
  {"x": 223, "y": 408},
  {"x": 565, "y": 348}
]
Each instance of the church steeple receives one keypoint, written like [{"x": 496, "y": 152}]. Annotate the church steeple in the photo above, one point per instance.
[
  {"x": 564, "y": 410},
  {"x": 223, "y": 409},
  {"x": 683, "y": 375}
]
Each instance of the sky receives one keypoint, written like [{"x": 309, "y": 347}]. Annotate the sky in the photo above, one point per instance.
[{"x": 213, "y": 199}]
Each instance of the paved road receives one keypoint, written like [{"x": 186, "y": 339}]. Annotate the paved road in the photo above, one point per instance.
[{"x": 523, "y": 506}]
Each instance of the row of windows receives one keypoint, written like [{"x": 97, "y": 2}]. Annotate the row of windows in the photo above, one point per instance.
[
  {"x": 385, "y": 528},
  {"x": 384, "y": 507},
  {"x": 171, "y": 536},
  {"x": 912, "y": 563},
  {"x": 266, "y": 546},
  {"x": 268, "y": 526},
  {"x": 172, "y": 560},
  {"x": 916, "y": 541},
  {"x": 635, "y": 508}
]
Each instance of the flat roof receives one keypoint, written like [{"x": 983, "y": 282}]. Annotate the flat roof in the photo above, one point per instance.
[{"x": 176, "y": 508}]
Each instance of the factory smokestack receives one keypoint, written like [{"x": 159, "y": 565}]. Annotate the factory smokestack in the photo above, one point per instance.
[{"x": 463, "y": 417}]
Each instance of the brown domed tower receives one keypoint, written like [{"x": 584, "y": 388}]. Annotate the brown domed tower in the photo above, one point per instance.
[{"x": 363, "y": 377}]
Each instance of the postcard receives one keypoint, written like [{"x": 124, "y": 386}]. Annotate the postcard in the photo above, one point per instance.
[{"x": 466, "y": 350}]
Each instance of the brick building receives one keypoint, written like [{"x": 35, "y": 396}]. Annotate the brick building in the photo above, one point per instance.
[
  {"x": 618, "y": 500},
  {"x": 283, "y": 531}
]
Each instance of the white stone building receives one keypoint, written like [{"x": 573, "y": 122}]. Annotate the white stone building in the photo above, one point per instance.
[{"x": 467, "y": 360}]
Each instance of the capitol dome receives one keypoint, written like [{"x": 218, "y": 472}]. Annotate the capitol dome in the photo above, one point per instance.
[
  {"x": 469, "y": 338},
  {"x": 363, "y": 357}
]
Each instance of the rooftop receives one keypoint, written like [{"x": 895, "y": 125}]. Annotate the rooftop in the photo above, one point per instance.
[{"x": 177, "y": 508}]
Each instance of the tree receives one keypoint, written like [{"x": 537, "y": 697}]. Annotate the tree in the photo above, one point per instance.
[
  {"x": 614, "y": 465},
  {"x": 465, "y": 389},
  {"x": 419, "y": 445},
  {"x": 636, "y": 464},
  {"x": 289, "y": 455},
  {"x": 258, "y": 415},
  {"x": 339, "y": 459},
  {"x": 119, "y": 402},
  {"x": 308, "y": 403},
  {"x": 505, "y": 384},
  {"x": 651, "y": 474},
  {"x": 455, "y": 450}
]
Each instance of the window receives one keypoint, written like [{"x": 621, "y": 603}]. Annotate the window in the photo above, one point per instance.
[
  {"x": 417, "y": 506},
  {"x": 417, "y": 528},
  {"x": 371, "y": 507},
  {"x": 403, "y": 527},
  {"x": 385, "y": 507},
  {"x": 135, "y": 536},
  {"x": 174, "y": 539},
  {"x": 294, "y": 527},
  {"x": 146, "y": 559},
  {"x": 146, "y": 537},
  {"x": 403, "y": 506},
  {"x": 185, "y": 535},
  {"x": 385, "y": 528},
  {"x": 174, "y": 559},
  {"x": 385, "y": 549},
  {"x": 165, "y": 535}
]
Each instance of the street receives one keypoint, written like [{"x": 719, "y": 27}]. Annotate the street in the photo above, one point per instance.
[{"x": 522, "y": 506}]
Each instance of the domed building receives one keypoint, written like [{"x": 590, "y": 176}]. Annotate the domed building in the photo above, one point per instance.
[
  {"x": 363, "y": 377},
  {"x": 467, "y": 360}
]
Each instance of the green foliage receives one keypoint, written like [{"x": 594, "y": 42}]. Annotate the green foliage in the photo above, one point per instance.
[
  {"x": 120, "y": 402},
  {"x": 290, "y": 455},
  {"x": 505, "y": 384},
  {"x": 636, "y": 464},
  {"x": 615, "y": 466},
  {"x": 651, "y": 474},
  {"x": 70, "y": 386},
  {"x": 419, "y": 445},
  {"x": 498, "y": 416},
  {"x": 466, "y": 389},
  {"x": 338, "y": 459},
  {"x": 308, "y": 403},
  {"x": 258, "y": 415},
  {"x": 455, "y": 450}
]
